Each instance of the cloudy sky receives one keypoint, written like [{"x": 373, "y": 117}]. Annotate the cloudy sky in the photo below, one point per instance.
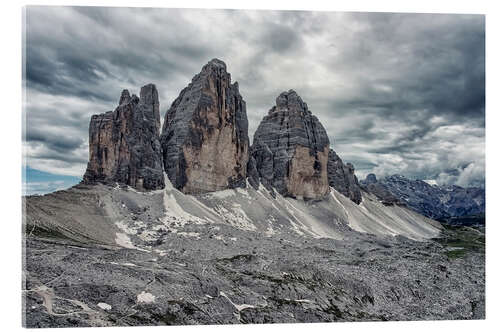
[{"x": 397, "y": 93}]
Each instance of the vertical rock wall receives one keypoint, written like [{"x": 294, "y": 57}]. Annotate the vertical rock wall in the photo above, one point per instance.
[
  {"x": 205, "y": 134},
  {"x": 341, "y": 177},
  {"x": 204, "y": 143},
  {"x": 124, "y": 144},
  {"x": 291, "y": 150}
]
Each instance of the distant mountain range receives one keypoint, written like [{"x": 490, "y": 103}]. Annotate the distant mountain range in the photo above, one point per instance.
[{"x": 447, "y": 203}]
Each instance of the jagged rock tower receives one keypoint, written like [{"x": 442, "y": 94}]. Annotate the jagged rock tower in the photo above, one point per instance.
[
  {"x": 124, "y": 144},
  {"x": 290, "y": 150},
  {"x": 341, "y": 177},
  {"x": 204, "y": 143},
  {"x": 205, "y": 134}
]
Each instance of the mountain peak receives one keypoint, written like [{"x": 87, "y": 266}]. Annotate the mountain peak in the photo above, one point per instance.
[
  {"x": 205, "y": 134},
  {"x": 124, "y": 97},
  {"x": 291, "y": 153},
  {"x": 215, "y": 63},
  {"x": 124, "y": 144},
  {"x": 370, "y": 179},
  {"x": 290, "y": 101}
]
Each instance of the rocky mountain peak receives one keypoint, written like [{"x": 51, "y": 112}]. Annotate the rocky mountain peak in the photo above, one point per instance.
[
  {"x": 290, "y": 151},
  {"x": 125, "y": 97},
  {"x": 149, "y": 98},
  {"x": 290, "y": 101},
  {"x": 342, "y": 178},
  {"x": 149, "y": 95},
  {"x": 215, "y": 64},
  {"x": 215, "y": 69},
  {"x": 204, "y": 143},
  {"x": 205, "y": 134},
  {"x": 370, "y": 179},
  {"x": 124, "y": 144}
]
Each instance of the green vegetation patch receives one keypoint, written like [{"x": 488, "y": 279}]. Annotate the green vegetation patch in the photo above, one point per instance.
[
  {"x": 454, "y": 254},
  {"x": 459, "y": 241}
]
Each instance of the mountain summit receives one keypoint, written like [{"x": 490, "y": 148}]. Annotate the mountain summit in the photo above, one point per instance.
[
  {"x": 204, "y": 145},
  {"x": 124, "y": 144},
  {"x": 205, "y": 134},
  {"x": 290, "y": 149}
]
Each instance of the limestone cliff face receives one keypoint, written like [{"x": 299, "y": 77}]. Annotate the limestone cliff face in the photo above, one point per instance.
[
  {"x": 204, "y": 143},
  {"x": 341, "y": 177},
  {"x": 205, "y": 134},
  {"x": 124, "y": 144},
  {"x": 290, "y": 150}
]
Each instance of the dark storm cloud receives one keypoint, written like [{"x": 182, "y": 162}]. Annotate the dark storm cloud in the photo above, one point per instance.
[
  {"x": 281, "y": 38},
  {"x": 397, "y": 93},
  {"x": 58, "y": 75},
  {"x": 53, "y": 141},
  {"x": 429, "y": 61}
]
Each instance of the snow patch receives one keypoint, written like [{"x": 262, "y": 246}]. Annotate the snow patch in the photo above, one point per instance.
[
  {"x": 161, "y": 253},
  {"x": 236, "y": 217},
  {"x": 123, "y": 264},
  {"x": 239, "y": 307},
  {"x": 270, "y": 230},
  {"x": 129, "y": 264},
  {"x": 145, "y": 297},
  {"x": 104, "y": 306},
  {"x": 175, "y": 216},
  {"x": 124, "y": 241},
  {"x": 243, "y": 192},
  {"x": 222, "y": 194},
  {"x": 125, "y": 228}
]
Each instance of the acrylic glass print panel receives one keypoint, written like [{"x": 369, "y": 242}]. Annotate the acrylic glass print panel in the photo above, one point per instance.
[{"x": 188, "y": 166}]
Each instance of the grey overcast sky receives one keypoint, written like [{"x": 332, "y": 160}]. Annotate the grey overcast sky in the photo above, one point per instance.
[{"x": 397, "y": 93}]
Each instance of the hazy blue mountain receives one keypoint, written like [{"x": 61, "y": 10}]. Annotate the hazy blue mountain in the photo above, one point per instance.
[{"x": 441, "y": 202}]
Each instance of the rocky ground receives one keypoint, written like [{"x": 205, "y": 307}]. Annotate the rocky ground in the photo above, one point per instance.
[{"x": 216, "y": 273}]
